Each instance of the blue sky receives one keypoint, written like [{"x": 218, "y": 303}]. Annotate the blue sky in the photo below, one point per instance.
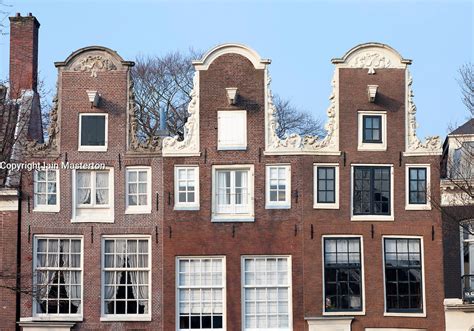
[{"x": 300, "y": 37}]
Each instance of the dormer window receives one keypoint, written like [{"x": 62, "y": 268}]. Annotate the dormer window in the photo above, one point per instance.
[
  {"x": 93, "y": 132},
  {"x": 232, "y": 130}
]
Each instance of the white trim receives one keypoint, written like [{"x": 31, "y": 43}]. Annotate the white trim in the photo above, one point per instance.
[
  {"x": 46, "y": 208},
  {"x": 290, "y": 290},
  {"x": 250, "y": 216},
  {"x": 373, "y": 218},
  {"x": 423, "y": 314},
  {"x": 361, "y": 145},
  {"x": 58, "y": 317},
  {"x": 427, "y": 205},
  {"x": 362, "y": 265},
  {"x": 98, "y": 217},
  {"x": 106, "y": 133},
  {"x": 186, "y": 205},
  {"x": 125, "y": 317},
  {"x": 224, "y": 288},
  {"x": 278, "y": 204},
  {"x": 221, "y": 130},
  {"x": 230, "y": 48},
  {"x": 139, "y": 209},
  {"x": 322, "y": 205}
]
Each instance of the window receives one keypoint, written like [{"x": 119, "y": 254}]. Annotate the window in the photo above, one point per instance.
[
  {"x": 326, "y": 186},
  {"x": 93, "y": 132},
  {"x": 232, "y": 130},
  {"x": 138, "y": 199},
  {"x": 201, "y": 293},
  {"x": 126, "y": 278},
  {"x": 462, "y": 166},
  {"x": 342, "y": 274},
  {"x": 278, "y": 186},
  {"x": 267, "y": 293},
  {"x": 372, "y": 129},
  {"x": 372, "y": 192},
  {"x": 372, "y": 132},
  {"x": 403, "y": 275},
  {"x": 93, "y": 195},
  {"x": 467, "y": 259},
  {"x": 418, "y": 187},
  {"x": 58, "y": 277},
  {"x": 233, "y": 193},
  {"x": 46, "y": 188},
  {"x": 186, "y": 187}
]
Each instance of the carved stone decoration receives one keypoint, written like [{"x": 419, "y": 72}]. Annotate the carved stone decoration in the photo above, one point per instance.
[
  {"x": 294, "y": 143},
  {"x": 94, "y": 64},
  {"x": 50, "y": 147},
  {"x": 371, "y": 61},
  {"x": 150, "y": 145},
  {"x": 189, "y": 146},
  {"x": 432, "y": 144}
]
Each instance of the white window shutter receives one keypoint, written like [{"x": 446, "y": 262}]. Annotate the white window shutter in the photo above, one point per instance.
[{"x": 232, "y": 129}]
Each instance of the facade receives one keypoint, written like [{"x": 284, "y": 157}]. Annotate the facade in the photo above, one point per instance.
[
  {"x": 232, "y": 227},
  {"x": 457, "y": 203}
]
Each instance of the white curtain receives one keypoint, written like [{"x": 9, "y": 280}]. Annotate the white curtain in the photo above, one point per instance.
[
  {"x": 139, "y": 261},
  {"x": 83, "y": 185},
  {"x": 102, "y": 188}
]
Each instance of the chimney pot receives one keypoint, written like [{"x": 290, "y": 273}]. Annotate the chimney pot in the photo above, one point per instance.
[
  {"x": 30, "y": 14},
  {"x": 18, "y": 15}
]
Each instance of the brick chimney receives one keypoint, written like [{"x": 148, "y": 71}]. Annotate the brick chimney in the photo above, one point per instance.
[{"x": 23, "y": 54}]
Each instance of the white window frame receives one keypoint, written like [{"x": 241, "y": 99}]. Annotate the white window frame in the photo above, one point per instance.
[
  {"x": 41, "y": 207},
  {"x": 423, "y": 314},
  {"x": 323, "y": 205},
  {"x": 373, "y": 218},
  {"x": 361, "y": 146},
  {"x": 223, "y": 146},
  {"x": 139, "y": 209},
  {"x": 91, "y": 214},
  {"x": 408, "y": 205},
  {"x": 220, "y": 217},
  {"x": 362, "y": 267},
  {"x": 87, "y": 148},
  {"x": 58, "y": 317},
  {"x": 278, "y": 204},
  {"x": 290, "y": 290},
  {"x": 224, "y": 289},
  {"x": 125, "y": 317},
  {"x": 186, "y": 205}
]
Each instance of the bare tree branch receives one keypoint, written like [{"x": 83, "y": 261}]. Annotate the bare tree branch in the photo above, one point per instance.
[{"x": 466, "y": 82}]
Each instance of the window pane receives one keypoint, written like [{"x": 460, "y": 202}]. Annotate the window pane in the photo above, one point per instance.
[{"x": 92, "y": 130}]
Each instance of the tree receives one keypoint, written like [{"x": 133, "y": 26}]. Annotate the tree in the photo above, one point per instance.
[
  {"x": 466, "y": 82},
  {"x": 162, "y": 85}
]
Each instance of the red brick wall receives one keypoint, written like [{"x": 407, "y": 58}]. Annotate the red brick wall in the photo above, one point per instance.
[
  {"x": 23, "y": 53},
  {"x": 8, "y": 263}
]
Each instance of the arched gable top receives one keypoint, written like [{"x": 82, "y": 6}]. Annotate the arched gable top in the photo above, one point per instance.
[
  {"x": 94, "y": 53},
  {"x": 240, "y": 49},
  {"x": 372, "y": 54}
]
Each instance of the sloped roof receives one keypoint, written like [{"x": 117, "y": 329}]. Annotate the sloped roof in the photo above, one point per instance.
[{"x": 466, "y": 128}]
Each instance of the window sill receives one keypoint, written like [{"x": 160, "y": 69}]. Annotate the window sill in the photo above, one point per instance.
[
  {"x": 274, "y": 206},
  {"x": 195, "y": 207},
  {"x": 344, "y": 313},
  {"x": 92, "y": 149},
  {"x": 418, "y": 207},
  {"x": 232, "y": 218},
  {"x": 232, "y": 148},
  {"x": 373, "y": 218},
  {"x": 52, "y": 209},
  {"x": 138, "y": 211},
  {"x": 326, "y": 206},
  {"x": 55, "y": 318},
  {"x": 405, "y": 314},
  {"x": 372, "y": 147},
  {"x": 126, "y": 318},
  {"x": 91, "y": 220}
]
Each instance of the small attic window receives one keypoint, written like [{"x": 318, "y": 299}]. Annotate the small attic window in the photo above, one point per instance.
[{"x": 93, "y": 132}]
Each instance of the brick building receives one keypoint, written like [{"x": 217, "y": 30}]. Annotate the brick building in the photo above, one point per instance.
[{"x": 232, "y": 227}]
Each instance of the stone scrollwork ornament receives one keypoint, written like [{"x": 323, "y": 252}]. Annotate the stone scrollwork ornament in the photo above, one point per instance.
[{"x": 94, "y": 64}]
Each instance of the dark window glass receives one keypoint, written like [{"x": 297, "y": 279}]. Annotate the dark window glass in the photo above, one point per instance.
[
  {"x": 372, "y": 132},
  {"x": 342, "y": 274},
  {"x": 417, "y": 185},
  {"x": 326, "y": 185},
  {"x": 403, "y": 277},
  {"x": 371, "y": 191},
  {"x": 92, "y": 130}
]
